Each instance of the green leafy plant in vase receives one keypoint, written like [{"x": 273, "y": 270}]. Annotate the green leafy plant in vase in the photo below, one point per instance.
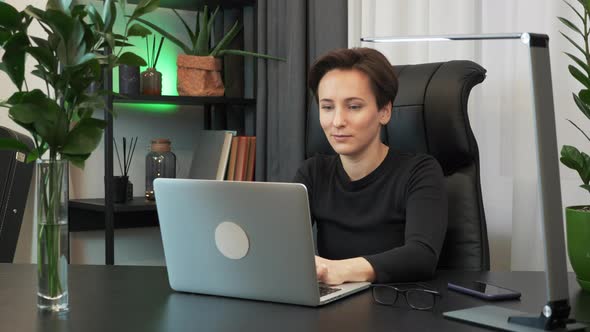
[
  {"x": 200, "y": 66},
  {"x": 578, "y": 217},
  {"x": 70, "y": 60}
]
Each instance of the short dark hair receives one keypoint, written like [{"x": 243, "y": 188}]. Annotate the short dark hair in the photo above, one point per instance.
[{"x": 367, "y": 60}]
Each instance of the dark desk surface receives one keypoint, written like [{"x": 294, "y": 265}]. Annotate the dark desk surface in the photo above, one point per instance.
[{"x": 134, "y": 298}]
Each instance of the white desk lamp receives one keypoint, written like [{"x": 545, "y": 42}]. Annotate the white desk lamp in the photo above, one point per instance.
[{"x": 555, "y": 313}]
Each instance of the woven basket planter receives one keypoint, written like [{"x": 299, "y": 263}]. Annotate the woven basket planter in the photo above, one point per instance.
[{"x": 199, "y": 76}]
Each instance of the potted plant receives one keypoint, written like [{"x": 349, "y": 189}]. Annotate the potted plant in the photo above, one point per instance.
[
  {"x": 578, "y": 217},
  {"x": 199, "y": 68},
  {"x": 70, "y": 59},
  {"x": 129, "y": 81}
]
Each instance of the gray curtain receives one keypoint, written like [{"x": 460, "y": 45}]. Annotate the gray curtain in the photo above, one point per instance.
[{"x": 298, "y": 30}]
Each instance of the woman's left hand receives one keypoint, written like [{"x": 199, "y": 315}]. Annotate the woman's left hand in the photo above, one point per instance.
[{"x": 336, "y": 272}]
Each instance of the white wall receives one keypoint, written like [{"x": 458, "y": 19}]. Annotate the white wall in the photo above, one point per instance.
[{"x": 180, "y": 124}]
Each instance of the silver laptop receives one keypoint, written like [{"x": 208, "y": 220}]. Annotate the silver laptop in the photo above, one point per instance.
[{"x": 249, "y": 240}]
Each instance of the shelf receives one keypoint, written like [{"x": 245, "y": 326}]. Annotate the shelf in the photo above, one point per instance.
[
  {"x": 183, "y": 100},
  {"x": 88, "y": 214},
  {"x": 198, "y": 4}
]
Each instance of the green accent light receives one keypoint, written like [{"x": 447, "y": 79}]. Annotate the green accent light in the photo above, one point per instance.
[{"x": 150, "y": 108}]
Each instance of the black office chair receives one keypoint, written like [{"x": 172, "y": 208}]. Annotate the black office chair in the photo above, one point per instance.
[
  {"x": 430, "y": 116},
  {"x": 15, "y": 180}
]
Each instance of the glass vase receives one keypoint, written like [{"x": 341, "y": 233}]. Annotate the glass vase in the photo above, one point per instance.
[
  {"x": 51, "y": 204},
  {"x": 151, "y": 82}
]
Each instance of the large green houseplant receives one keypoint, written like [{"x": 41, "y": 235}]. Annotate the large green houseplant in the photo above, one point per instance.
[
  {"x": 69, "y": 59},
  {"x": 578, "y": 217},
  {"x": 200, "y": 65}
]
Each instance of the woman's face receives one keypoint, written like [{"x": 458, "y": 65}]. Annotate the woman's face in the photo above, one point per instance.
[{"x": 349, "y": 114}]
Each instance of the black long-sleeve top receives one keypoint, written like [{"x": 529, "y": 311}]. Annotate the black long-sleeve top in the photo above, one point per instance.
[{"x": 395, "y": 217}]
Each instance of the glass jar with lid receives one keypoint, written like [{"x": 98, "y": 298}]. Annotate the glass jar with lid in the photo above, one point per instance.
[{"x": 160, "y": 162}]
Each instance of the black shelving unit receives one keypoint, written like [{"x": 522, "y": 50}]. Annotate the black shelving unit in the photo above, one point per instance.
[
  {"x": 98, "y": 214},
  {"x": 198, "y": 4},
  {"x": 138, "y": 212},
  {"x": 183, "y": 100}
]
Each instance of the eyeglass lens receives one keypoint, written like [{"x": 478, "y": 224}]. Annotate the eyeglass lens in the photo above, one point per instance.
[{"x": 415, "y": 298}]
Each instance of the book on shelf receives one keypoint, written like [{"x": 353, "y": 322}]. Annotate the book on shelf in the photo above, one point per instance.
[
  {"x": 242, "y": 159},
  {"x": 231, "y": 169},
  {"x": 211, "y": 154},
  {"x": 250, "y": 165}
]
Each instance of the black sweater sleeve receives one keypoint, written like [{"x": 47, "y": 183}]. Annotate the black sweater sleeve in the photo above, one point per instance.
[{"x": 426, "y": 224}]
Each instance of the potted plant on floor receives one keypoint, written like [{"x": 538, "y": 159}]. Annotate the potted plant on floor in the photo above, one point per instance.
[
  {"x": 70, "y": 59},
  {"x": 199, "y": 69},
  {"x": 578, "y": 217}
]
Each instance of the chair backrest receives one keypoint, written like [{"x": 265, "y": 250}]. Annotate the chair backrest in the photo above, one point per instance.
[
  {"x": 15, "y": 180},
  {"x": 430, "y": 116}
]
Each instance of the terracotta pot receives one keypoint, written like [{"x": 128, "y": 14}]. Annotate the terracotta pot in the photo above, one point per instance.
[{"x": 199, "y": 76}]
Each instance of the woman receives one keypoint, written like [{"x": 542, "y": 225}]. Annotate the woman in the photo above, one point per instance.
[{"x": 381, "y": 214}]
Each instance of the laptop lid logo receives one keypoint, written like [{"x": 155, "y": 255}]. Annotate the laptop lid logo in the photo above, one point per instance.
[{"x": 231, "y": 240}]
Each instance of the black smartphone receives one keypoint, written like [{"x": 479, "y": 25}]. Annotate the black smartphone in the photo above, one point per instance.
[{"x": 484, "y": 290}]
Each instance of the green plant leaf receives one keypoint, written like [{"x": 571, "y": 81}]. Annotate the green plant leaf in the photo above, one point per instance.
[
  {"x": 95, "y": 17},
  {"x": 577, "y": 74},
  {"x": 573, "y": 42},
  {"x": 131, "y": 59},
  {"x": 202, "y": 45},
  {"x": 110, "y": 15},
  {"x": 85, "y": 58},
  {"x": 246, "y": 53},
  {"x": 61, "y": 23},
  {"x": 59, "y": 5},
  {"x": 580, "y": 129},
  {"x": 580, "y": 63},
  {"x": 4, "y": 36},
  {"x": 9, "y": 16},
  {"x": 226, "y": 40},
  {"x": 572, "y": 158},
  {"x": 570, "y": 25},
  {"x": 32, "y": 156},
  {"x": 191, "y": 35},
  {"x": 138, "y": 30},
  {"x": 51, "y": 123},
  {"x": 575, "y": 10},
  {"x": 144, "y": 7},
  {"x": 212, "y": 20},
  {"x": 76, "y": 160},
  {"x": 185, "y": 48},
  {"x": 585, "y": 174},
  {"x": 585, "y": 186},
  {"x": 41, "y": 42},
  {"x": 14, "y": 58},
  {"x": 584, "y": 95},
  {"x": 33, "y": 97},
  {"x": 35, "y": 13},
  {"x": 582, "y": 106},
  {"x": 44, "y": 56},
  {"x": 13, "y": 145},
  {"x": 84, "y": 137},
  {"x": 24, "y": 113}
]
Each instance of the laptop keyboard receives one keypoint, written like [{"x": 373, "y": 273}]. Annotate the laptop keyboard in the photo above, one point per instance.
[{"x": 325, "y": 290}]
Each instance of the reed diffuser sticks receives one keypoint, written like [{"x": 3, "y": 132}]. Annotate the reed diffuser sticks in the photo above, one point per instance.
[
  {"x": 152, "y": 55},
  {"x": 127, "y": 154}
]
